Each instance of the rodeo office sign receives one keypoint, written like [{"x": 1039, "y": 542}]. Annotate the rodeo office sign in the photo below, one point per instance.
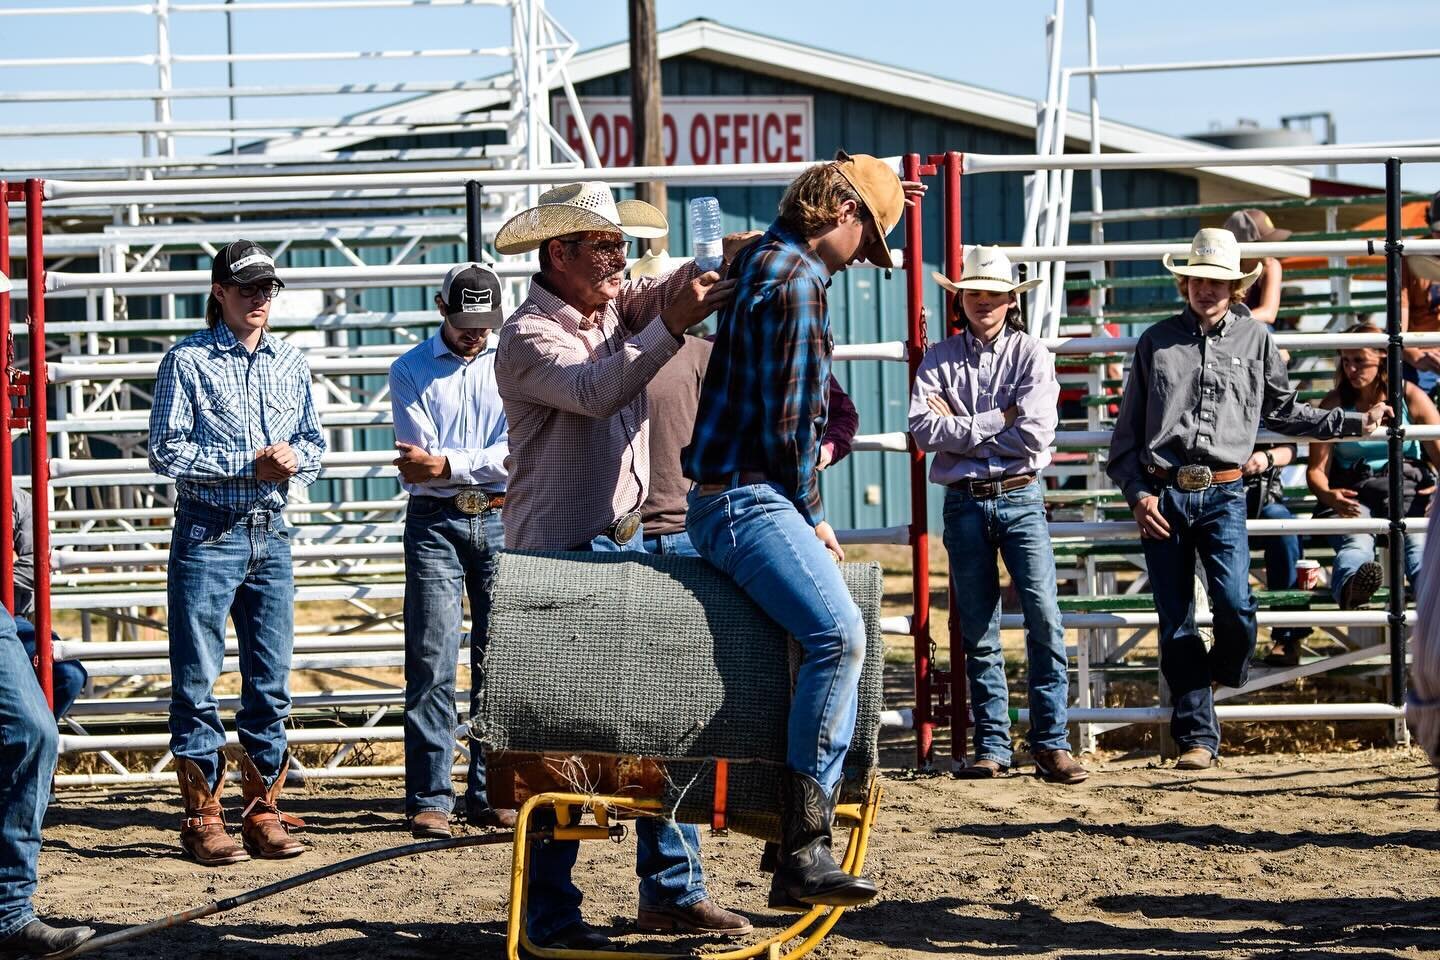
[{"x": 698, "y": 130}]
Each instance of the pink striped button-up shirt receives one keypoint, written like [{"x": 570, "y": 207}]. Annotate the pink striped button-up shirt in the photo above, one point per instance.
[{"x": 574, "y": 394}]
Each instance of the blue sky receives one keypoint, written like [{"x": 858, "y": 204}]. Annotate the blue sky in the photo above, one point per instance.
[{"x": 997, "y": 45}]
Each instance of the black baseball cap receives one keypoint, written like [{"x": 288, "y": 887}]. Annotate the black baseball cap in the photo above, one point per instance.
[
  {"x": 471, "y": 293},
  {"x": 242, "y": 262}
]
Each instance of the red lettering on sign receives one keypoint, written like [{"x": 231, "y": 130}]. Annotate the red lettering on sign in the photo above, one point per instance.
[
  {"x": 600, "y": 132},
  {"x": 742, "y": 136},
  {"x": 722, "y": 136},
  {"x": 772, "y": 123},
  {"x": 672, "y": 140},
  {"x": 699, "y": 154},
  {"x": 792, "y": 136},
  {"x": 624, "y": 141}
]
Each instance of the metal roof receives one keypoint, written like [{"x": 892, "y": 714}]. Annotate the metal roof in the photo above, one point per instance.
[{"x": 842, "y": 73}]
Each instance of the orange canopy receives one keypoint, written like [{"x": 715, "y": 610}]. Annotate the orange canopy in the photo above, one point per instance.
[{"x": 1412, "y": 217}]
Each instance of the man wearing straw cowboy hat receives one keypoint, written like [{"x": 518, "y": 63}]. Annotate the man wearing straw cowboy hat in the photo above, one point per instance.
[
  {"x": 27, "y": 762},
  {"x": 572, "y": 367},
  {"x": 985, "y": 402},
  {"x": 1200, "y": 385}
]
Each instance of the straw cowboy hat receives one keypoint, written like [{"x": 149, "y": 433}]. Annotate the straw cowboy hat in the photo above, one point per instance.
[
  {"x": 1214, "y": 255},
  {"x": 578, "y": 208},
  {"x": 986, "y": 268}
]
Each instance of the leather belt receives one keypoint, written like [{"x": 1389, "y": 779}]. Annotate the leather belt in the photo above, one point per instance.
[
  {"x": 990, "y": 489},
  {"x": 1194, "y": 477},
  {"x": 475, "y": 501},
  {"x": 740, "y": 478}
]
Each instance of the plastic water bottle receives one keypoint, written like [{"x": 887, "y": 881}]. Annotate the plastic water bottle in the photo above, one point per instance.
[{"x": 705, "y": 233}]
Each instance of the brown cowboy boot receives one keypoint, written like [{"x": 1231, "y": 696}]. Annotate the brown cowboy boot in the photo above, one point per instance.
[
  {"x": 202, "y": 831},
  {"x": 265, "y": 830}
]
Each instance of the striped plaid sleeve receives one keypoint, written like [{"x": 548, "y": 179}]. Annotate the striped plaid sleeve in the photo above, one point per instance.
[
  {"x": 791, "y": 355},
  {"x": 308, "y": 441},
  {"x": 173, "y": 452}
]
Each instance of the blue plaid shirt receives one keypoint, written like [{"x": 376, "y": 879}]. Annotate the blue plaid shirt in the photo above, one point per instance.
[
  {"x": 763, "y": 405},
  {"x": 216, "y": 405}
]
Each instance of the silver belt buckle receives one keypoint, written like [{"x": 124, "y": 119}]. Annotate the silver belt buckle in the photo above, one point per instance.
[
  {"x": 472, "y": 502},
  {"x": 1194, "y": 477},
  {"x": 623, "y": 530}
]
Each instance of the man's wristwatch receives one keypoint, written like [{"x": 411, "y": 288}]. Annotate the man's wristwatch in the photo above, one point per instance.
[{"x": 1269, "y": 460}]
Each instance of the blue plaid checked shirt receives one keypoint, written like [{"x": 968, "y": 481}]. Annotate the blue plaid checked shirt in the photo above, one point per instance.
[
  {"x": 216, "y": 405},
  {"x": 763, "y": 404}
]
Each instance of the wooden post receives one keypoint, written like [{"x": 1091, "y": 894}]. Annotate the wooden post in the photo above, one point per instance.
[{"x": 645, "y": 106}]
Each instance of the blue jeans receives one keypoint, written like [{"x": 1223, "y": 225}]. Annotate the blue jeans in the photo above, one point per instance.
[
  {"x": 1014, "y": 523},
  {"x": 667, "y": 853},
  {"x": 1211, "y": 522},
  {"x": 237, "y": 564},
  {"x": 67, "y": 677},
  {"x": 448, "y": 554},
  {"x": 1281, "y": 553},
  {"x": 28, "y": 745},
  {"x": 754, "y": 535},
  {"x": 1354, "y": 549},
  {"x": 671, "y": 544}
]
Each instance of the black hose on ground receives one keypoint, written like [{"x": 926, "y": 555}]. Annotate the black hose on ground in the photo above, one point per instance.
[{"x": 280, "y": 886}]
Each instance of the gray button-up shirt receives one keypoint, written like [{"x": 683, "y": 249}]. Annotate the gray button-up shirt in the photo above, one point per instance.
[{"x": 1200, "y": 398}]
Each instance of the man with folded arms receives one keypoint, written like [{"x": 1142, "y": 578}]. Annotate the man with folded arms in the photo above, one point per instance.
[
  {"x": 1201, "y": 384},
  {"x": 451, "y": 434},
  {"x": 573, "y": 364}
]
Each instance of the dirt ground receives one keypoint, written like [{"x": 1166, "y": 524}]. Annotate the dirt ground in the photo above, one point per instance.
[{"x": 1333, "y": 855}]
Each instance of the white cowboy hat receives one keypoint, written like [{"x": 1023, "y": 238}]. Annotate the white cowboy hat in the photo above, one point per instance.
[
  {"x": 986, "y": 268},
  {"x": 577, "y": 208},
  {"x": 655, "y": 263},
  {"x": 4, "y": 283},
  {"x": 1214, "y": 255}
]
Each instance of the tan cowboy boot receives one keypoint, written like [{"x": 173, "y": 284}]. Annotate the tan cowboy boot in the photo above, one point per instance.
[
  {"x": 202, "y": 832},
  {"x": 265, "y": 830}
]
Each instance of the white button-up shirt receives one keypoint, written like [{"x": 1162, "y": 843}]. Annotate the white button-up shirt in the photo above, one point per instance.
[{"x": 450, "y": 407}]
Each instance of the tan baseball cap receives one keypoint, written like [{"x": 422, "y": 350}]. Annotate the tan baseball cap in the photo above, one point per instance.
[{"x": 879, "y": 187}]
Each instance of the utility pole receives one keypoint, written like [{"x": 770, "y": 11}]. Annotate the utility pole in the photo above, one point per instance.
[{"x": 645, "y": 112}]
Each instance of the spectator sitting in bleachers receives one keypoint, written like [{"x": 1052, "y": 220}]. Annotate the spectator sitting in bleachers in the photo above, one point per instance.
[
  {"x": 1265, "y": 500},
  {"x": 1351, "y": 479},
  {"x": 1263, "y": 297}
]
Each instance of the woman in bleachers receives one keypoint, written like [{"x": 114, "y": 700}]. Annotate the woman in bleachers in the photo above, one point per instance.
[{"x": 1351, "y": 478}]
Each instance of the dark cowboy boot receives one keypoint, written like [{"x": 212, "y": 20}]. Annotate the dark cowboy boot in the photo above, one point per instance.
[
  {"x": 806, "y": 870},
  {"x": 202, "y": 832},
  {"x": 265, "y": 830}
]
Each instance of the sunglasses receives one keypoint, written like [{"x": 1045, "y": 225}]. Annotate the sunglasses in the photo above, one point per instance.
[
  {"x": 621, "y": 247},
  {"x": 249, "y": 291}
]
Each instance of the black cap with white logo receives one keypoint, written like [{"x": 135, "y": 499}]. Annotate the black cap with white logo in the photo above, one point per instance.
[
  {"x": 243, "y": 262},
  {"x": 471, "y": 293}
]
